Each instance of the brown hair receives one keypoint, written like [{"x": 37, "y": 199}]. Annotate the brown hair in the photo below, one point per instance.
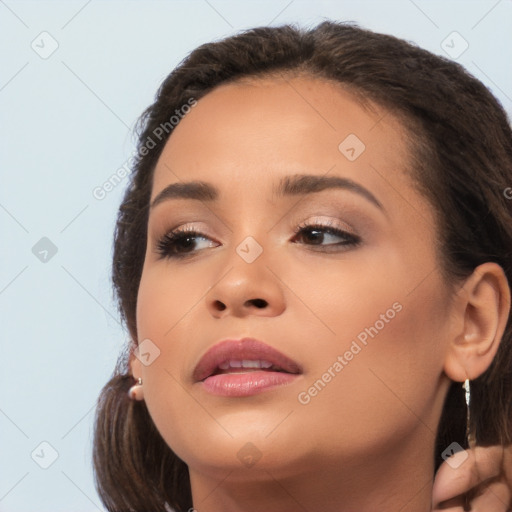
[{"x": 461, "y": 145}]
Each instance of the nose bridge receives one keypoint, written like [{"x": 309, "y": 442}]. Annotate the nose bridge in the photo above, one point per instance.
[{"x": 246, "y": 286}]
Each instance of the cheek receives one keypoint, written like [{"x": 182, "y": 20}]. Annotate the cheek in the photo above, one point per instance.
[
  {"x": 162, "y": 300},
  {"x": 378, "y": 380},
  {"x": 383, "y": 339},
  {"x": 166, "y": 309},
  {"x": 166, "y": 305}
]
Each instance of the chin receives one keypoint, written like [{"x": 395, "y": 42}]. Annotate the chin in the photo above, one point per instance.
[{"x": 245, "y": 441}]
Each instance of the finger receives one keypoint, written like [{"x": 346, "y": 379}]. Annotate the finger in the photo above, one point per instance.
[
  {"x": 452, "y": 505},
  {"x": 491, "y": 496},
  {"x": 465, "y": 470},
  {"x": 507, "y": 465},
  {"x": 495, "y": 496}
]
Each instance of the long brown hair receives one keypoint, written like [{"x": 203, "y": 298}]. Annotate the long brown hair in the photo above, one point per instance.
[{"x": 461, "y": 145}]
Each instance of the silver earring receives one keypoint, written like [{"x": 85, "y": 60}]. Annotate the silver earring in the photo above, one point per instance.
[
  {"x": 469, "y": 435},
  {"x": 136, "y": 392}
]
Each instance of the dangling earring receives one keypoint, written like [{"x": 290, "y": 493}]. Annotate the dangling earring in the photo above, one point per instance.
[
  {"x": 136, "y": 392},
  {"x": 470, "y": 439}
]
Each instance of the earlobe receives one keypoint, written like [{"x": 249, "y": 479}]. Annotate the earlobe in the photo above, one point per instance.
[
  {"x": 485, "y": 307},
  {"x": 136, "y": 391}
]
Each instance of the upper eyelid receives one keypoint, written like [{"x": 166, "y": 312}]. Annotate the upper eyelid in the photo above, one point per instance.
[
  {"x": 336, "y": 215},
  {"x": 331, "y": 219},
  {"x": 160, "y": 230},
  {"x": 329, "y": 223}
]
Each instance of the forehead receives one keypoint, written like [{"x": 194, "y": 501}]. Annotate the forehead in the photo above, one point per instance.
[{"x": 245, "y": 134}]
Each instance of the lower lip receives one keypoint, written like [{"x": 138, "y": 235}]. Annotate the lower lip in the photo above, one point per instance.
[{"x": 245, "y": 384}]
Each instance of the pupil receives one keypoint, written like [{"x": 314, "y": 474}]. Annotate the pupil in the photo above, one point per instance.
[
  {"x": 315, "y": 236},
  {"x": 187, "y": 243}
]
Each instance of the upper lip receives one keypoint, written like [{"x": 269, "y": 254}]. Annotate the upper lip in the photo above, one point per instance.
[{"x": 245, "y": 348}]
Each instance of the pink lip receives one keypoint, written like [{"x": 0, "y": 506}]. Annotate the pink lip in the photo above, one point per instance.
[{"x": 248, "y": 382}]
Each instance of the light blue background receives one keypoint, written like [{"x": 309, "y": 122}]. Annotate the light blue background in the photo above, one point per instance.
[{"x": 65, "y": 130}]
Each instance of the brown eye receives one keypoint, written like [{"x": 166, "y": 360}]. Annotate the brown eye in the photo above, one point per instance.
[
  {"x": 317, "y": 234},
  {"x": 181, "y": 243}
]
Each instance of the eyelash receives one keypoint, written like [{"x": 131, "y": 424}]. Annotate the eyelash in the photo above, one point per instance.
[{"x": 167, "y": 244}]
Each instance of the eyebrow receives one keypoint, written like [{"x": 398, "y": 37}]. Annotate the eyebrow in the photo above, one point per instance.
[{"x": 298, "y": 184}]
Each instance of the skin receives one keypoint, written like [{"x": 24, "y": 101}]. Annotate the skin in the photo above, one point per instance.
[
  {"x": 366, "y": 441},
  {"x": 486, "y": 472}
]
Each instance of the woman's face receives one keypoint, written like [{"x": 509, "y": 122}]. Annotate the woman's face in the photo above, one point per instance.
[{"x": 356, "y": 300}]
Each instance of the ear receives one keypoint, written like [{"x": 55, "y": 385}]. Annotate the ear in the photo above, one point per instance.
[
  {"x": 483, "y": 311},
  {"x": 135, "y": 364}
]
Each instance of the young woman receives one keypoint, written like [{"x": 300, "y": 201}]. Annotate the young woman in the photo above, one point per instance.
[{"x": 312, "y": 258}]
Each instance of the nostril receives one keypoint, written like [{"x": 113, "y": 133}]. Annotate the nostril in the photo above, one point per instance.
[
  {"x": 219, "y": 305},
  {"x": 259, "y": 303}
]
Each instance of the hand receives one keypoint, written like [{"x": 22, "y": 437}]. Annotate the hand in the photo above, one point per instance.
[{"x": 480, "y": 477}]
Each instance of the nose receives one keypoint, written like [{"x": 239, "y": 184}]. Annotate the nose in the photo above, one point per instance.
[{"x": 246, "y": 289}]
